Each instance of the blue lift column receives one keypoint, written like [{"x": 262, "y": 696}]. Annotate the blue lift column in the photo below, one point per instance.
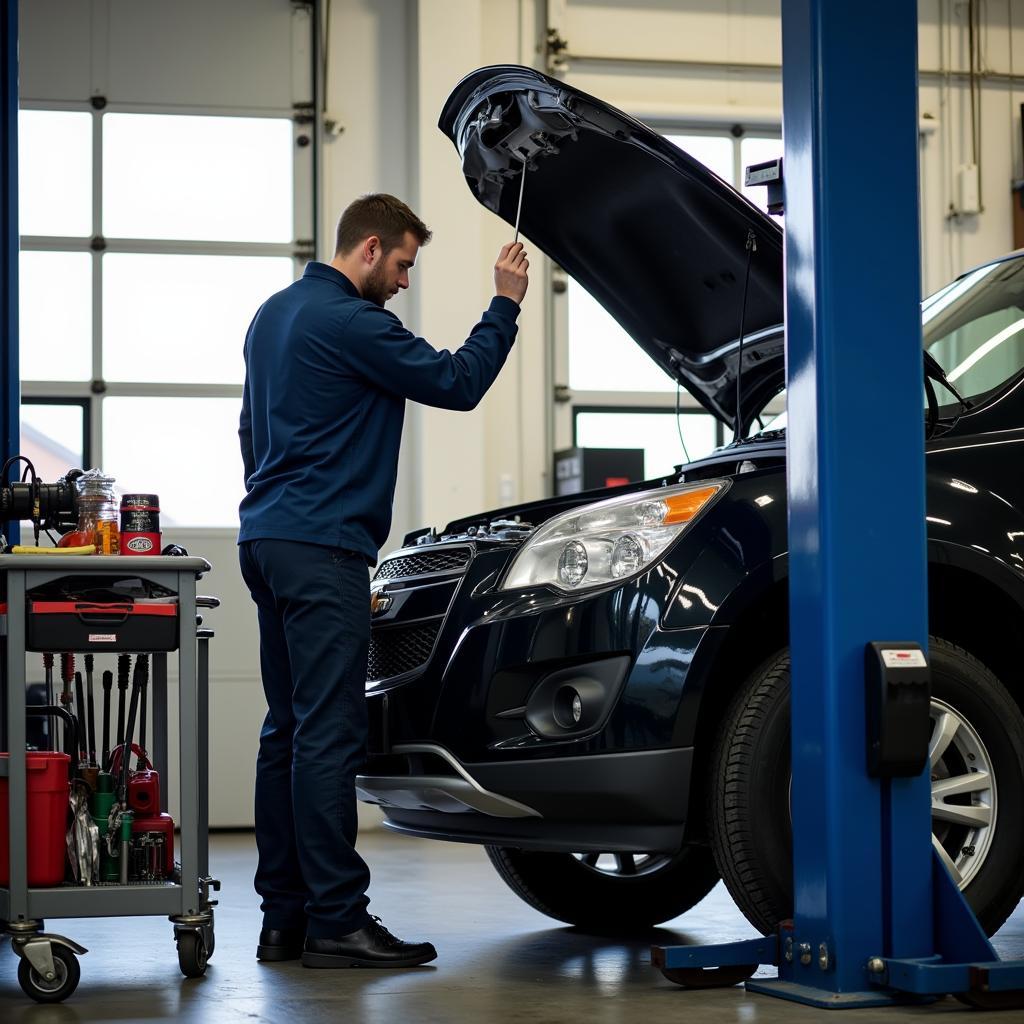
[
  {"x": 855, "y": 467},
  {"x": 877, "y": 918},
  {"x": 10, "y": 386}
]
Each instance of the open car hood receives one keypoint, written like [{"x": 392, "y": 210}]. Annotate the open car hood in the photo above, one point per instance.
[{"x": 653, "y": 235}]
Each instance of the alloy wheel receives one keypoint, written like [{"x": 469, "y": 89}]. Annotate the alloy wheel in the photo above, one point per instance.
[
  {"x": 964, "y": 799},
  {"x": 624, "y": 865}
]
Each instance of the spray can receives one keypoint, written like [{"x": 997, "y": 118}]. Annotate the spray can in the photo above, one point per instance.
[{"x": 140, "y": 524}]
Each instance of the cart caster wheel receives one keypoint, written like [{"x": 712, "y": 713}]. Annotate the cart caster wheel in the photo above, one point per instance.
[
  {"x": 67, "y": 974},
  {"x": 209, "y": 940},
  {"x": 192, "y": 955},
  {"x": 709, "y": 977}
]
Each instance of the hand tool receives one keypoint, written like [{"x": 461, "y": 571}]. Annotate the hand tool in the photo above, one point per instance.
[
  {"x": 108, "y": 684},
  {"x": 143, "y": 662},
  {"x": 83, "y": 738},
  {"x": 67, "y": 676},
  {"x": 91, "y": 744},
  {"x": 123, "y": 666},
  {"x": 519, "y": 208},
  {"x": 124, "y": 816},
  {"x": 48, "y": 666},
  {"x": 126, "y": 740}
]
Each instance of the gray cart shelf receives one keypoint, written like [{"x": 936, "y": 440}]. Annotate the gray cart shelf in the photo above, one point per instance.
[{"x": 49, "y": 960}]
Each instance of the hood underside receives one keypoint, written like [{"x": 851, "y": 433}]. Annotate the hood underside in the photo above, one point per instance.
[{"x": 658, "y": 239}]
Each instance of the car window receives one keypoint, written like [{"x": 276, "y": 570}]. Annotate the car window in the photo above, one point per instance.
[{"x": 975, "y": 327}]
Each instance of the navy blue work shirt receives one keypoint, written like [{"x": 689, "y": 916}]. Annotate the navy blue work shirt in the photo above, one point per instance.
[{"x": 327, "y": 374}]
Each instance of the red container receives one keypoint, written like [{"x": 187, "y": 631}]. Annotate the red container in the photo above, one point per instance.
[
  {"x": 143, "y": 783},
  {"x": 140, "y": 524},
  {"x": 46, "y": 788},
  {"x": 144, "y": 792},
  {"x": 163, "y": 824}
]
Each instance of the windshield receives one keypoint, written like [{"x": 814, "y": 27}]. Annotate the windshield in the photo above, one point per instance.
[{"x": 974, "y": 327}]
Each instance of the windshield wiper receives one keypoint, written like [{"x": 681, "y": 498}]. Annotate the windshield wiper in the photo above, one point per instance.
[{"x": 934, "y": 371}]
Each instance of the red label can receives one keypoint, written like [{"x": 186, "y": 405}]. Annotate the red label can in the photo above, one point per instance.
[{"x": 140, "y": 524}]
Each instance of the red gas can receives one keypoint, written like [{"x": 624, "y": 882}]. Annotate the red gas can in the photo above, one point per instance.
[{"x": 47, "y": 796}]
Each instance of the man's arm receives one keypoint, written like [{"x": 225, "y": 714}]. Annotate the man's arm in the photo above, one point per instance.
[
  {"x": 396, "y": 360},
  {"x": 393, "y": 358}
]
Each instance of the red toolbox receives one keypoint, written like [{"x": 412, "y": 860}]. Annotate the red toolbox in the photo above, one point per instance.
[
  {"x": 108, "y": 626},
  {"x": 46, "y": 791}
]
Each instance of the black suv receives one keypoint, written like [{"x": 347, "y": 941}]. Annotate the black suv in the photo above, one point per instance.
[{"x": 596, "y": 687}]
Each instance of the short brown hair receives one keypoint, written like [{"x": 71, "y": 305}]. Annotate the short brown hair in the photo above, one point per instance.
[{"x": 382, "y": 215}]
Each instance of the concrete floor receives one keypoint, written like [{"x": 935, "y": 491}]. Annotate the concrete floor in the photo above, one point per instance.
[{"x": 499, "y": 960}]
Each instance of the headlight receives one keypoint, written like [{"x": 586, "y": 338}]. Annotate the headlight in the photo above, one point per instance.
[{"x": 609, "y": 540}]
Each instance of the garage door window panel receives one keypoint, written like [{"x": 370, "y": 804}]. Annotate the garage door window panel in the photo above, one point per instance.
[
  {"x": 55, "y": 315},
  {"x": 55, "y": 173},
  {"x": 655, "y": 432},
  {"x": 53, "y": 437},
  {"x": 202, "y": 178},
  {"x": 184, "y": 449},
  {"x": 182, "y": 319}
]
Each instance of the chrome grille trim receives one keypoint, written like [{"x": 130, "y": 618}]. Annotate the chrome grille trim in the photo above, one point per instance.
[{"x": 411, "y": 563}]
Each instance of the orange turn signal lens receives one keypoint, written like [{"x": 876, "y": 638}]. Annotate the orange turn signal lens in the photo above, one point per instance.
[{"x": 683, "y": 507}]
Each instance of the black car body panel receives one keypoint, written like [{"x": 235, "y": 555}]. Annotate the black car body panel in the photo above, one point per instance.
[
  {"x": 534, "y": 716},
  {"x": 655, "y": 649},
  {"x": 666, "y": 255}
]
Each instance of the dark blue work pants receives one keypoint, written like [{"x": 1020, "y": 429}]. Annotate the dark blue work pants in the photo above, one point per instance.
[{"x": 314, "y": 616}]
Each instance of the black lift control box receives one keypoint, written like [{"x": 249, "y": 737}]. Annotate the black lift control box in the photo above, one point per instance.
[{"x": 898, "y": 682}]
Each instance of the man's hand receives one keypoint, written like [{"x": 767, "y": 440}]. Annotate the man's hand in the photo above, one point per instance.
[{"x": 510, "y": 277}]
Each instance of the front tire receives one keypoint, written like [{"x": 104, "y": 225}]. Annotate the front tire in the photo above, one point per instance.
[
  {"x": 608, "y": 892},
  {"x": 977, "y": 770}
]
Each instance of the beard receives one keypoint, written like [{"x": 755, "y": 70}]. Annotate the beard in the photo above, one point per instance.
[{"x": 375, "y": 288}]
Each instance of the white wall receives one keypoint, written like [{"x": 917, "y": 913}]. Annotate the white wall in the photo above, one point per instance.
[{"x": 952, "y": 244}]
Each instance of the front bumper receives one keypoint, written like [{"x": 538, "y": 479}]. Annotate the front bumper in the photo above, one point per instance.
[
  {"x": 609, "y": 802},
  {"x": 483, "y": 673}
]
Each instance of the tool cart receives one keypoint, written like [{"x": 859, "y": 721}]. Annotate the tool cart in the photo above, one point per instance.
[{"x": 140, "y": 874}]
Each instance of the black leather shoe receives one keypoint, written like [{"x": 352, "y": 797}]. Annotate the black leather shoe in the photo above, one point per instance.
[
  {"x": 372, "y": 946},
  {"x": 283, "y": 944}
]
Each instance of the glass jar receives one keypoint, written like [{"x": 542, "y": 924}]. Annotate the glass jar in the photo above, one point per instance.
[{"x": 98, "y": 513}]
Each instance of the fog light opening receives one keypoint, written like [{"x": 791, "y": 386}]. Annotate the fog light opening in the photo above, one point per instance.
[{"x": 568, "y": 707}]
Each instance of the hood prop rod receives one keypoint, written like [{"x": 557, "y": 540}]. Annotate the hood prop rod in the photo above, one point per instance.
[
  {"x": 519, "y": 207},
  {"x": 751, "y": 247}
]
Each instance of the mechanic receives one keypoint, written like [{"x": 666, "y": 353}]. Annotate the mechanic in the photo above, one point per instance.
[{"x": 328, "y": 370}]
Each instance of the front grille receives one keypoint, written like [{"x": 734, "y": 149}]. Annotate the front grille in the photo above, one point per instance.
[
  {"x": 425, "y": 564},
  {"x": 399, "y": 649}
]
